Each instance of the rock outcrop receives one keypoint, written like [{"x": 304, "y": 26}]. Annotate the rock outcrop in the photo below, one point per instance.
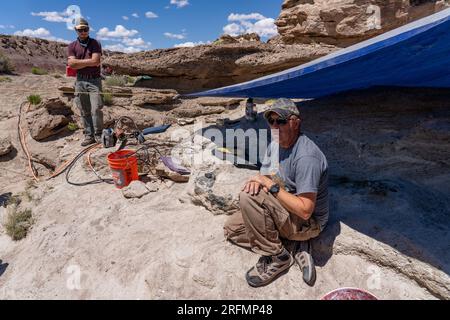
[
  {"x": 25, "y": 53},
  {"x": 248, "y": 37},
  {"x": 212, "y": 66},
  {"x": 345, "y": 22},
  {"x": 48, "y": 118}
]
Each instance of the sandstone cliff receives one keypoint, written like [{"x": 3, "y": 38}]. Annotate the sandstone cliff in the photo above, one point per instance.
[
  {"x": 345, "y": 22},
  {"x": 212, "y": 66}
]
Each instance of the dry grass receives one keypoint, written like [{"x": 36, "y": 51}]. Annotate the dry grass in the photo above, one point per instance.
[
  {"x": 5, "y": 65},
  {"x": 5, "y": 79},
  {"x": 116, "y": 81},
  {"x": 18, "y": 223},
  {"x": 107, "y": 98}
]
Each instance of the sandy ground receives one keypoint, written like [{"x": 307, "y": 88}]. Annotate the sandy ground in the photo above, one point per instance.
[{"x": 92, "y": 243}]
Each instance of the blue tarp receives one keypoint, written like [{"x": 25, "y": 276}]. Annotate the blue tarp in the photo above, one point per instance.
[{"x": 414, "y": 55}]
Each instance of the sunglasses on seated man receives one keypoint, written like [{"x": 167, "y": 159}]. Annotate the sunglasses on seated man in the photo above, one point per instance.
[
  {"x": 279, "y": 121},
  {"x": 83, "y": 30}
]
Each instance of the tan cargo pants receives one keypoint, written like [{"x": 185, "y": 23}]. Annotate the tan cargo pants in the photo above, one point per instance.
[{"x": 262, "y": 221}]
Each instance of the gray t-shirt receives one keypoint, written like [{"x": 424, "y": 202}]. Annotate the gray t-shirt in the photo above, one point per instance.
[{"x": 302, "y": 168}]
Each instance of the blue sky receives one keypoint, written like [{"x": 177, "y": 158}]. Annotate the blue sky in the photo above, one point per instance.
[{"x": 133, "y": 25}]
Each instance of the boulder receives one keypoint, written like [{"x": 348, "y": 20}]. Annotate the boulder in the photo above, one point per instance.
[
  {"x": 119, "y": 91},
  {"x": 196, "y": 111},
  {"x": 136, "y": 189},
  {"x": 152, "y": 186},
  {"x": 5, "y": 146},
  {"x": 48, "y": 118},
  {"x": 186, "y": 121},
  {"x": 345, "y": 22},
  {"x": 142, "y": 117},
  {"x": 222, "y": 102},
  {"x": 66, "y": 90},
  {"x": 155, "y": 97}
]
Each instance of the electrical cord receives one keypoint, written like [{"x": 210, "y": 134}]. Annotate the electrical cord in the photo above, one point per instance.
[
  {"x": 23, "y": 144},
  {"x": 80, "y": 184}
]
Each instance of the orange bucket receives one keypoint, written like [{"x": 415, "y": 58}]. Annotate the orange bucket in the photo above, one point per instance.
[{"x": 124, "y": 167}]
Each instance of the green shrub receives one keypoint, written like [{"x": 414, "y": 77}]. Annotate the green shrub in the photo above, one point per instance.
[
  {"x": 5, "y": 79},
  {"x": 107, "y": 98},
  {"x": 34, "y": 99},
  {"x": 38, "y": 71},
  {"x": 5, "y": 65},
  {"x": 18, "y": 223},
  {"x": 217, "y": 42},
  {"x": 117, "y": 81},
  {"x": 130, "y": 79},
  {"x": 72, "y": 126}
]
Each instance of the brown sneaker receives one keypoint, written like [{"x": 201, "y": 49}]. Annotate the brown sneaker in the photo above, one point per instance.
[
  {"x": 268, "y": 268},
  {"x": 87, "y": 141},
  {"x": 304, "y": 259}
]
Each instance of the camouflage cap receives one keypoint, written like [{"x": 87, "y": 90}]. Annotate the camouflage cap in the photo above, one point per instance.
[
  {"x": 284, "y": 108},
  {"x": 81, "y": 23}
]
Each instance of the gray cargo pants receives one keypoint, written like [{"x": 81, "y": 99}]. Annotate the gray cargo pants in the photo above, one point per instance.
[
  {"x": 261, "y": 223},
  {"x": 90, "y": 103}
]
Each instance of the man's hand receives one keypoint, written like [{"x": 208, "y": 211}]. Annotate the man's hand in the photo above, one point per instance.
[{"x": 256, "y": 183}]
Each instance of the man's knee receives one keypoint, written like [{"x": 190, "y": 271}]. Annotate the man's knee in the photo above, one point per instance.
[
  {"x": 251, "y": 205},
  {"x": 246, "y": 199}
]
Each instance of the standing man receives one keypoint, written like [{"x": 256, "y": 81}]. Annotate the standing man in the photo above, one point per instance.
[
  {"x": 84, "y": 55},
  {"x": 287, "y": 200}
]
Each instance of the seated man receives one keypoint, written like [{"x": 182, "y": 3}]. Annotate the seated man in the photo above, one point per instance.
[{"x": 289, "y": 199}]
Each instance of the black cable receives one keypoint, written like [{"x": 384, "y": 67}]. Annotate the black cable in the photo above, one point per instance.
[
  {"x": 145, "y": 159},
  {"x": 81, "y": 184}
]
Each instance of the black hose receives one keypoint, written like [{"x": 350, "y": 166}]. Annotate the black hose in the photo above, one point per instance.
[{"x": 81, "y": 184}]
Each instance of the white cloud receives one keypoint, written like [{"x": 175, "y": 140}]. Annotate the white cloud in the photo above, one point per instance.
[
  {"x": 119, "y": 32},
  {"x": 2, "y": 26},
  {"x": 151, "y": 15},
  {"x": 233, "y": 29},
  {"x": 264, "y": 28},
  {"x": 188, "y": 44},
  {"x": 180, "y": 3},
  {"x": 174, "y": 36},
  {"x": 138, "y": 42},
  {"x": 58, "y": 39},
  {"x": 122, "y": 48},
  {"x": 242, "y": 23},
  {"x": 39, "y": 33},
  {"x": 135, "y": 15},
  {"x": 244, "y": 17},
  {"x": 52, "y": 16},
  {"x": 125, "y": 18}
]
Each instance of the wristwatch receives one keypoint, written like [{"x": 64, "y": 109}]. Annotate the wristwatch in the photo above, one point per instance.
[{"x": 274, "y": 189}]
